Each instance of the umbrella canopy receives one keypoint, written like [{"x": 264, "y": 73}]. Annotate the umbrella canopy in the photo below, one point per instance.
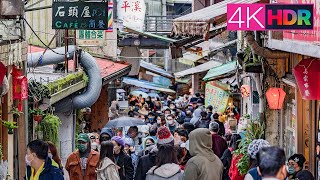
[
  {"x": 154, "y": 95},
  {"x": 137, "y": 93},
  {"x": 124, "y": 121}
]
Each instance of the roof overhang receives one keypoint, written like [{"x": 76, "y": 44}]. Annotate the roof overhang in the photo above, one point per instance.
[{"x": 198, "y": 23}]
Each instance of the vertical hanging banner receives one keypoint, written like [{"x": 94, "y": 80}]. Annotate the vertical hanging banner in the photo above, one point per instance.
[
  {"x": 132, "y": 13},
  {"x": 110, "y": 16},
  {"x": 216, "y": 97}
]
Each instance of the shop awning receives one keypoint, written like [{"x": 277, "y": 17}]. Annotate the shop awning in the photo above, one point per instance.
[
  {"x": 221, "y": 71},
  {"x": 146, "y": 84},
  {"x": 189, "y": 58},
  {"x": 183, "y": 80},
  {"x": 155, "y": 69},
  {"x": 198, "y": 22},
  {"x": 201, "y": 68}
]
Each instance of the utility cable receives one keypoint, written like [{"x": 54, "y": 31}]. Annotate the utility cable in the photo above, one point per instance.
[{"x": 41, "y": 40}]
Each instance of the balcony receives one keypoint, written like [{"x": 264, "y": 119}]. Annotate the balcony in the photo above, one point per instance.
[{"x": 158, "y": 24}]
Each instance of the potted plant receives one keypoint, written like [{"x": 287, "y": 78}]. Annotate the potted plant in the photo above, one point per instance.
[
  {"x": 3, "y": 166},
  {"x": 10, "y": 125},
  {"x": 252, "y": 63},
  {"x": 48, "y": 128},
  {"x": 37, "y": 114},
  {"x": 16, "y": 113}
]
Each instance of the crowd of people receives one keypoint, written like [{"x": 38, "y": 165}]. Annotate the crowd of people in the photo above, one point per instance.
[{"x": 181, "y": 139}]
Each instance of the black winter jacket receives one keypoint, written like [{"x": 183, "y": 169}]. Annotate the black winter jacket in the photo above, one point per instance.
[
  {"x": 145, "y": 163},
  {"x": 126, "y": 170}
]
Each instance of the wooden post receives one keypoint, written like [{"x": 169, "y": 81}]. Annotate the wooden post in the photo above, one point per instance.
[{"x": 100, "y": 109}]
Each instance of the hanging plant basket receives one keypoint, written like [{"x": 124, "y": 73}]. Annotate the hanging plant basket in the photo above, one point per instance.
[
  {"x": 37, "y": 118},
  {"x": 253, "y": 67},
  {"x": 10, "y": 131}
]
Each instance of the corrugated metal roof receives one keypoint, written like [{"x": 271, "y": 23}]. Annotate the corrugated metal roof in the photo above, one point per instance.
[
  {"x": 151, "y": 35},
  {"x": 221, "y": 70},
  {"x": 189, "y": 58},
  {"x": 201, "y": 68},
  {"x": 146, "y": 84},
  {"x": 155, "y": 69}
]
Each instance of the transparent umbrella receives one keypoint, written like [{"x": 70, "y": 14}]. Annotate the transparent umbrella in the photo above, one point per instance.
[{"x": 124, "y": 121}]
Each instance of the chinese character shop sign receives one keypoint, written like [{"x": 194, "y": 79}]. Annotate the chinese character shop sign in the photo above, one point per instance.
[
  {"x": 80, "y": 15},
  {"x": 307, "y": 74},
  {"x": 132, "y": 13}
]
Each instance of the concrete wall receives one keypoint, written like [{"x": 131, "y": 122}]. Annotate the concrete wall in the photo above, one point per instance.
[{"x": 65, "y": 135}]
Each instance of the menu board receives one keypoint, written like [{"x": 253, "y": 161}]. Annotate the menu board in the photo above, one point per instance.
[{"x": 216, "y": 97}]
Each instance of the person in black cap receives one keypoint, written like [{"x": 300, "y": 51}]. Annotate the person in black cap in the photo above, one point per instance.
[{"x": 296, "y": 164}]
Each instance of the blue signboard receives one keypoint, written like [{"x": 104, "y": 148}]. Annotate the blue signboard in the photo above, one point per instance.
[{"x": 80, "y": 15}]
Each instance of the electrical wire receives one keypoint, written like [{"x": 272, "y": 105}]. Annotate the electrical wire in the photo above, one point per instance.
[{"x": 41, "y": 40}]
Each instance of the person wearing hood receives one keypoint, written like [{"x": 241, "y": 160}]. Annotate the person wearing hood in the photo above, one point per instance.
[
  {"x": 105, "y": 134},
  {"x": 82, "y": 163},
  {"x": 166, "y": 167},
  {"x": 196, "y": 116},
  {"x": 146, "y": 162},
  {"x": 107, "y": 169},
  {"x": 200, "y": 166},
  {"x": 296, "y": 164},
  {"x": 122, "y": 160}
]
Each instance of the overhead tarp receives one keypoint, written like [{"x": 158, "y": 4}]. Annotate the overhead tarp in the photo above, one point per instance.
[
  {"x": 222, "y": 70},
  {"x": 201, "y": 68},
  {"x": 155, "y": 69},
  {"x": 198, "y": 22},
  {"x": 183, "y": 80},
  {"x": 146, "y": 84},
  {"x": 189, "y": 58}
]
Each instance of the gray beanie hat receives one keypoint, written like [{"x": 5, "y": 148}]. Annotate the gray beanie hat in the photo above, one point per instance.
[{"x": 255, "y": 146}]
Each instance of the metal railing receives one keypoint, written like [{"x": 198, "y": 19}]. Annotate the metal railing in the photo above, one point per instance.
[{"x": 158, "y": 24}]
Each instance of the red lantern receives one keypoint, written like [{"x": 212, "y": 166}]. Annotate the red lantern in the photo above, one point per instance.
[
  {"x": 275, "y": 98},
  {"x": 245, "y": 90},
  {"x": 20, "y": 88},
  {"x": 307, "y": 74}
]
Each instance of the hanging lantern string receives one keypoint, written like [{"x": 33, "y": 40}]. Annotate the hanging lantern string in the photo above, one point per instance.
[{"x": 308, "y": 65}]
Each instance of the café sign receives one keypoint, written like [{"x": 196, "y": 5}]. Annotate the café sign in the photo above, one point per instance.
[{"x": 80, "y": 15}]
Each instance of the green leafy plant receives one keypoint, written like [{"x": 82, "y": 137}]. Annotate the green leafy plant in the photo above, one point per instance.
[
  {"x": 10, "y": 125},
  {"x": 247, "y": 116},
  {"x": 50, "y": 126},
  {"x": 254, "y": 130},
  {"x": 66, "y": 81},
  {"x": 36, "y": 111},
  {"x": 16, "y": 113}
]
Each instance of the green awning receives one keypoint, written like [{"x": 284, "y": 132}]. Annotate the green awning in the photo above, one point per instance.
[
  {"x": 222, "y": 70},
  {"x": 189, "y": 58}
]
